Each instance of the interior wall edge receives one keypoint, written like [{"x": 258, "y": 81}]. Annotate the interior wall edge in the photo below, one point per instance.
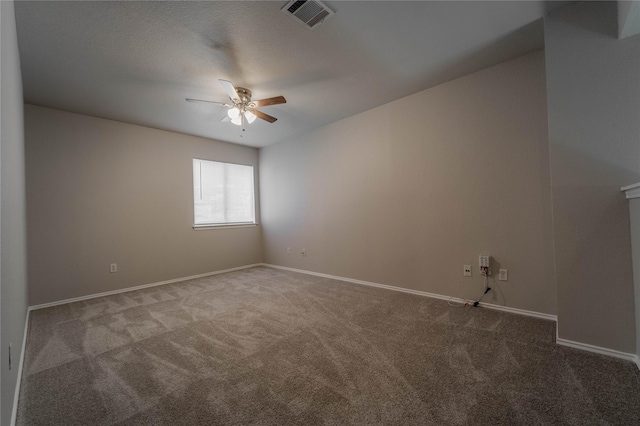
[
  {"x": 13, "y": 247},
  {"x": 594, "y": 141}
]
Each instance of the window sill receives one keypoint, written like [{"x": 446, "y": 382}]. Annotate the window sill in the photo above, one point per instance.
[{"x": 228, "y": 226}]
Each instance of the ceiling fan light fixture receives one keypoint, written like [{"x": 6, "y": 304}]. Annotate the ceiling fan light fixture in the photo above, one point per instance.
[
  {"x": 249, "y": 116},
  {"x": 233, "y": 113},
  {"x": 242, "y": 109}
]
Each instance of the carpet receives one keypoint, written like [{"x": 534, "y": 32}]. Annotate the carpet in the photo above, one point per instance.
[{"x": 271, "y": 347}]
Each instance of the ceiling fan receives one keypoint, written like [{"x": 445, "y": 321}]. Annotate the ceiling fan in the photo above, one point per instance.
[{"x": 242, "y": 108}]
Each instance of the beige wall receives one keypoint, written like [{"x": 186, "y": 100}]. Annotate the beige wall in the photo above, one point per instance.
[
  {"x": 101, "y": 192},
  {"x": 634, "y": 208},
  {"x": 13, "y": 254},
  {"x": 593, "y": 84},
  {"x": 408, "y": 192}
]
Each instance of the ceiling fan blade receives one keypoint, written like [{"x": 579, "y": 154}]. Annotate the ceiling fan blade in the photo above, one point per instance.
[
  {"x": 206, "y": 102},
  {"x": 270, "y": 101},
  {"x": 228, "y": 87},
  {"x": 225, "y": 119},
  {"x": 262, "y": 115}
]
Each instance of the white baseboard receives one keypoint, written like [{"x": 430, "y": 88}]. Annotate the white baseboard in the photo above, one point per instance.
[
  {"x": 14, "y": 411},
  {"x": 599, "y": 350},
  {"x": 519, "y": 311},
  {"x": 139, "y": 287},
  {"x": 419, "y": 293}
]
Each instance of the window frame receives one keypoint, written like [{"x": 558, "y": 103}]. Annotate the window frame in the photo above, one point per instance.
[{"x": 206, "y": 226}]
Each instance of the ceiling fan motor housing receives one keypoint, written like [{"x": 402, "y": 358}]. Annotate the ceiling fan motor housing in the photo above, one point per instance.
[
  {"x": 244, "y": 95},
  {"x": 243, "y": 106}
]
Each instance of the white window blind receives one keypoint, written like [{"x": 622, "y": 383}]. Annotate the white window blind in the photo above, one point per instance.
[{"x": 222, "y": 193}]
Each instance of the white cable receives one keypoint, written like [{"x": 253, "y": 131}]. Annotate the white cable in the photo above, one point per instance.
[{"x": 468, "y": 302}]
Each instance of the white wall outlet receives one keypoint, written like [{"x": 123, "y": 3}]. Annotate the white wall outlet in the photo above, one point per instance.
[
  {"x": 467, "y": 270},
  {"x": 113, "y": 267},
  {"x": 303, "y": 252},
  {"x": 288, "y": 250},
  {"x": 503, "y": 275}
]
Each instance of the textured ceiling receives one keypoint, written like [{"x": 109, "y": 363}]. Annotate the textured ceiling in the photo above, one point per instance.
[{"x": 136, "y": 62}]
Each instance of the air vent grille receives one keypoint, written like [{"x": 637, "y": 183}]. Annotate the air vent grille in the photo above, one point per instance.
[{"x": 307, "y": 12}]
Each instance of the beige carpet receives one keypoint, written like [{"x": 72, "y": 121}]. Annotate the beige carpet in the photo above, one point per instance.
[{"x": 270, "y": 347}]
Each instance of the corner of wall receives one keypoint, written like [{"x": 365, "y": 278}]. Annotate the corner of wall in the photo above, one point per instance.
[{"x": 13, "y": 271}]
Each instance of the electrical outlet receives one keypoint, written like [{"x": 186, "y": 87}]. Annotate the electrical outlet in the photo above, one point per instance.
[
  {"x": 467, "y": 270},
  {"x": 303, "y": 252},
  {"x": 113, "y": 267},
  {"x": 503, "y": 275},
  {"x": 288, "y": 250}
]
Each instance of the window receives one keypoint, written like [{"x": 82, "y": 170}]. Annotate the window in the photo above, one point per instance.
[{"x": 222, "y": 194}]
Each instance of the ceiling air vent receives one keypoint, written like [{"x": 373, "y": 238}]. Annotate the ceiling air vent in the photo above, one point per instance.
[{"x": 307, "y": 12}]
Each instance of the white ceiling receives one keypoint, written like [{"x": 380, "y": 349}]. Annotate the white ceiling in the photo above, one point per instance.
[{"x": 136, "y": 62}]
